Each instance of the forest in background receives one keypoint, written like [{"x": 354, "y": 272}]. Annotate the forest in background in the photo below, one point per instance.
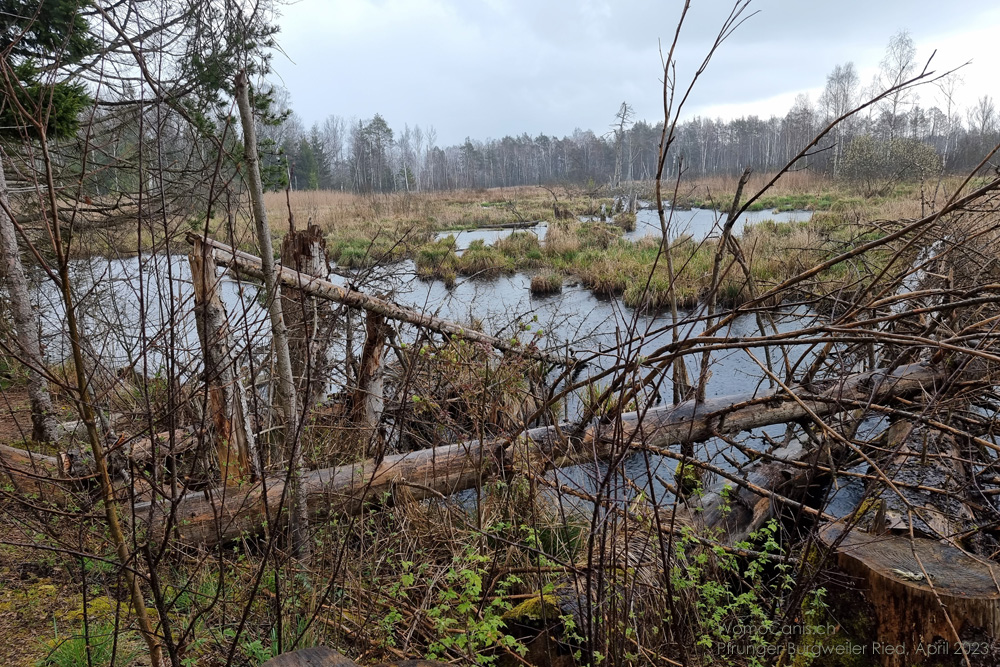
[{"x": 909, "y": 134}]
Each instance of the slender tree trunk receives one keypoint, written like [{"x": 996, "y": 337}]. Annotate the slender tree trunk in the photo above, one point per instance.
[
  {"x": 298, "y": 524},
  {"x": 43, "y": 424},
  {"x": 88, "y": 412}
]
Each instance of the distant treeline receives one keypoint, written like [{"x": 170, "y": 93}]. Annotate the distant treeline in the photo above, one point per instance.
[{"x": 899, "y": 136}]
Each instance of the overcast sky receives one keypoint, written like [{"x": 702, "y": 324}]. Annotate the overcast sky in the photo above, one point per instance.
[{"x": 487, "y": 68}]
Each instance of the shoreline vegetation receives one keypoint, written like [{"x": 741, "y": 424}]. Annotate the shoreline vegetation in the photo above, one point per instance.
[
  {"x": 363, "y": 232},
  {"x": 584, "y": 242}
]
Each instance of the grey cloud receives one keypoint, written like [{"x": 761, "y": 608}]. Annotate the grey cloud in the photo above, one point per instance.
[{"x": 489, "y": 68}]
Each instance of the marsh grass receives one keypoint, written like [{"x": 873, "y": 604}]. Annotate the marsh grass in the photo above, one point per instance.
[
  {"x": 546, "y": 283},
  {"x": 367, "y": 230},
  {"x": 481, "y": 260}
]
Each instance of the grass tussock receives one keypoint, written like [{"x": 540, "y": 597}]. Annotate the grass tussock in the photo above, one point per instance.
[
  {"x": 483, "y": 261},
  {"x": 546, "y": 283}
]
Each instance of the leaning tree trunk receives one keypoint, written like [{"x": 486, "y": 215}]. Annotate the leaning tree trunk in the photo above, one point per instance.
[
  {"x": 43, "y": 424},
  {"x": 324, "y": 289},
  {"x": 299, "y": 517}
]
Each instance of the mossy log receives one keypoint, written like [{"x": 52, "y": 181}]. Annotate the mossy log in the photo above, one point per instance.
[{"x": 210, "y": 517}]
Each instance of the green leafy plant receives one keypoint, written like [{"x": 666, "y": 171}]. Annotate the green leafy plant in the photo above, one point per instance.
[{"x": 96, "y": 644}]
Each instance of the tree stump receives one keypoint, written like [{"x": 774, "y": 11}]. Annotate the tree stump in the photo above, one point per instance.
[
  {"x": 310, "y": 320},
  {"x": 961, "y": 595}
]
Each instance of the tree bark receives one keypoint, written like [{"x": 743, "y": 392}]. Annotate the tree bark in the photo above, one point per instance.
[
  {"x": 368, "y": 400},
  {"x": 310, "y": 320},
  {"x": 43, "y": 423},
  {"x": 235, "y": 442},
  {"x": 298, "y": 528},
  {"x": 209, "y": 519}
]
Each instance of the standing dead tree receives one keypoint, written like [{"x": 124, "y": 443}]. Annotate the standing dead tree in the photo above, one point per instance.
[
  {"x": 311, "y": 322},
  {"x": 234, "y": 437}
]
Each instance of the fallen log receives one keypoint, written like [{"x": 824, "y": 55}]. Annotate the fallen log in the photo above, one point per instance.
[
  {"x": 129, "y": 453},
  {"x": 45, "y": 474},
  {"x": 31, "y": 473},
  {"x": 41, "y": 476},
  {"x": 324, "y": 289},
  {"x": 221, "y": 515},
  {"x": 735, "y": 513}
]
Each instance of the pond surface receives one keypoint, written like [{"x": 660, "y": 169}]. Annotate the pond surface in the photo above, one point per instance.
[
  {"x": 139, "y": 309},
  {"x": 701, "y": 223},
  {"x": 595, "y": 325},
  {"x": 489, "y": 236}
]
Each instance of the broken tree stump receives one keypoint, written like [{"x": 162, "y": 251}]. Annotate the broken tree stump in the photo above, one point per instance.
[
  {"x": 904, "y": 543},
  {"x": 922, "y": 589},
  {"x": 227, "y": 400},
  {"x": 310, "y": 320},
  {"x": 368, "y": 400}
]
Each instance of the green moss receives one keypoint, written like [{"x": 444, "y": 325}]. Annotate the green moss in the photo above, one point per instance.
[{"x": 535, "y": 608}]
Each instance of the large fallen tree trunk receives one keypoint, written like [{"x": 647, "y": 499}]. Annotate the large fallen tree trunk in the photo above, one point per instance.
[
  {"x": 324, "y": 289},
  {"x": 211, "y": 517},
  {"x": 32, "y": 473}
]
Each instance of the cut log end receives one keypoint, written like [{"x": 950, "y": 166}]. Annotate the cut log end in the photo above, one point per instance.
[{"x": 922, "y": 589}]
